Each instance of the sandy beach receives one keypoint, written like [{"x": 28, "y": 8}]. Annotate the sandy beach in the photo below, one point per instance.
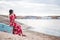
[{"x": 30, "y": 35}]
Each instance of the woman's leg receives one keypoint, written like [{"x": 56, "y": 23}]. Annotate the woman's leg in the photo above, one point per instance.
[{"x": 21, "y": 33}]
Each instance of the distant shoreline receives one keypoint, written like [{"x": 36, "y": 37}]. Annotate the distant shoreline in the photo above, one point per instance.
[{"x": 35, "y": 17}]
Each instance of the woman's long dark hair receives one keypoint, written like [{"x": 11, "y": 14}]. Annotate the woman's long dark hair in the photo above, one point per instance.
[{"x": 10, "y": 11}]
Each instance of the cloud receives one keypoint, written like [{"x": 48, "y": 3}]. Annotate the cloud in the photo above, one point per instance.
[
  {"x": 57, "y": 2},
  {"x": 27, "y": 8},
  {"x": 38, "y": 1}
]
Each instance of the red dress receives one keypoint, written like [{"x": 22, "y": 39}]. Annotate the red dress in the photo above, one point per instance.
[{"x": 16, "y": 27}]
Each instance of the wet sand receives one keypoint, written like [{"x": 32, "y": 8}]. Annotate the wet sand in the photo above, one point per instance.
[{"x": 30, "y": 35}]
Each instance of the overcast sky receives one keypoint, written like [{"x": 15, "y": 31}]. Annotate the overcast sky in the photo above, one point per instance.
[{"x": 30, "y": 7}]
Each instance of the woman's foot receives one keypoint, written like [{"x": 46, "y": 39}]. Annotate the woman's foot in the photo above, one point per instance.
[{"x": 23, "y": 35}]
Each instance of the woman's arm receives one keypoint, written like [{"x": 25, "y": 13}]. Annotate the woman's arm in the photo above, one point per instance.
[{"x": 15, "y": 16}]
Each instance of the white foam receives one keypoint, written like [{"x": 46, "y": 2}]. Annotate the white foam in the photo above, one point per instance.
[{"x": 51, "y": 27}]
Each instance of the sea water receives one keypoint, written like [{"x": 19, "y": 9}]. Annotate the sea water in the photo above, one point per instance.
[{"x": 46, "y": 26}]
